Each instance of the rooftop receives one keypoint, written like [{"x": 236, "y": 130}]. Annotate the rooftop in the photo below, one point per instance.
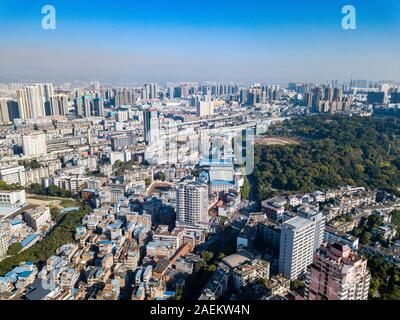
[
  {"x": 298, "y": 223},
  {"x": 237, "y": 259}
]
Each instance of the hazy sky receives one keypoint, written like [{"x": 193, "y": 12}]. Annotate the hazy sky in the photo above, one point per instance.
[{"x": 221, "y": 40}]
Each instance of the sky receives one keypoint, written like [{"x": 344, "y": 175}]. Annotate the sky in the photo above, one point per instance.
[{"x": 132, "y": 41}]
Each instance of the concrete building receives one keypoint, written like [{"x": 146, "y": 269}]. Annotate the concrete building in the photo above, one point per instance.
[
  {"x": 296, "y": 247},
  {"x": 58, "y": 105},
  {"x": 192, "y": 203},
  {"x": 13, "y": 198},
  {"x": 250, "y": 272},
  {"x": 70, "y": 183},
  {"x": 13, "y": 175},
  {"x": 150, "y": 91},
  {"x": 217, "y": 286},
  {"x": 132, "y": 260},
  {"x": 334, "y": 236},
  {"x": 34, "y": 145},
  {"x": 312, "y": 213},
  {"x": 37, "y": 217},
  {"x": 31, "y": 103},
  {"x": 3, "y": 244},
  {"x": 337, "y": 273},
  {"x": 151, "y": 125},
  {"x": 205, "y": 108},
  {"x": 4, "y": 111}
]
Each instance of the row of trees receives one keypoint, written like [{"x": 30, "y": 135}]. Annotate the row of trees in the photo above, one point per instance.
[
  {"x": 51, "y": 191},
  {"x": 30, "y": 164},
  {"x": 9, "y": 187},
  {"x": 337, "y": 150},
  {"x": 35, "y": 188}
]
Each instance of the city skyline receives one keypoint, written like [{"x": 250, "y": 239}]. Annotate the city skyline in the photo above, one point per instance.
[{"x": 266, "y": 42}]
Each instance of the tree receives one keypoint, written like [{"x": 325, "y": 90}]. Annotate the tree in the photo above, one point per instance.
[
  {"x": 336, "y": 150},
  {"x": 195, "y": 173},
  {"x": 14, "y": 248},
  {"x": 366, "y": 238},
  {"x": 35, "y": 188},
  {"x": 56, "y": 215},
  {"x": 212, "y": 268},
  {"x": 148, "y": 181},
  {"x": 10, "y": 187},
  {"x": 159, "y": 176},
  {"x": 207, "y": 255},
  {"x": 120, "y": 166},
  {"x": 384, "y": 279},
  {"x": 198, "y": 266},
  {"x": 245, "y": 190},
  {"x": 179, "y": 293},
  {"x": 357, "y": 231},
  {"x": 297, "y": 285},
  {"x": 375, "y": 221},
  {"x": 396, "y": 222},
  {"x": 32, "y": 164}
]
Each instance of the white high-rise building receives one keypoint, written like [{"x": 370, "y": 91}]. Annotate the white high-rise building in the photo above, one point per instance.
[
  {"x": 150, "y": 91},
  {"x": 24, "y": 108},
  {"x": 96, "y": 87},
  {"x": 296, "y": 246},
  {"x": 4, "y": 113},
  {"x": 205, "y": 108},
  {"x": 192, "y": 203},
  {"x": 3, "y": 244},
  {"x": 34, "y": 145},
  {"x": 36, "y": 100},
  {"x": 31, "y": 101},
  {"x": 121, "y": 115},
  {"x": 48, "y": 91},
  {"x": 313, "y": 213},
  {"x": 59, "y": 105},
  {"x": 13, "y": 175},
  {"x": 151, "y": 125}
]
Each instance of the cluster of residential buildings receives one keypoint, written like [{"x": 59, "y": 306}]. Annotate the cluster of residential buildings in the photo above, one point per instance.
[
  {"x": 358, "y": 96},
  {"x": 161, "y": 169},
  {"x": 310, "y": 238},
  {"x": 21, "y": 222}
]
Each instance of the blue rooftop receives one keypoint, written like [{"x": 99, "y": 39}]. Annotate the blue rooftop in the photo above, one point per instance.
[
  {"x": 221, "y": 182},
  {"x": 28, "y": 240},
  {"x": 207, "y": 162},
  {"x": 24, "y": 274},
  {"x": 16, "y": 222},
  {"x": 11, "y": 274}
]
